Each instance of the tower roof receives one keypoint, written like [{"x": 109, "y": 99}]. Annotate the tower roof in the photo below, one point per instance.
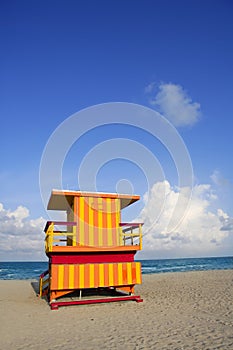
[{"x": 62, "y": 200}]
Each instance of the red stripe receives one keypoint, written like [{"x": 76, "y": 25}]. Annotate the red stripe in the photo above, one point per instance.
[
  {"x": 92, "y": 258},
  {"x": 133, "y": 273},
  {"x": 115, "y": 275},
  {"x": 66, "y": 277},
  {"x": 76, "y": 276},
  {"x": 54, "y": 277},
  {"x": 86, "y": 276},
  {"x": 105, "y": 237},
  {"x": 96, "y": 275},
  {"x": 95, "y": 221},
  {"x": 104, "y": 230},
  {"x": 86, "y": 222},
  {"x": 106, "y": 273},
  {"x": 124, "y": 274},
  {"x": 104, "y": 213}
]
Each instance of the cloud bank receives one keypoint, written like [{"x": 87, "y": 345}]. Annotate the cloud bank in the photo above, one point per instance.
[
  {"x": 174, "y": 104},
  {"x": 21, "y": 238},
  {"x": 200, "y": 233}
]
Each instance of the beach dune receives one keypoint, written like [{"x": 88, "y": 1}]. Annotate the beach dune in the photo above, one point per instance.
[{"x": 191, "y": 310}]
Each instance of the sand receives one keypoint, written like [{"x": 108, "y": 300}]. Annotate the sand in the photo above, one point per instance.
[{"x": 192, "y": 310}]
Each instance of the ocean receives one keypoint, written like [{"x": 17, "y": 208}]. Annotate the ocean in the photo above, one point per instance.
[{"x": 32, "y": 270}]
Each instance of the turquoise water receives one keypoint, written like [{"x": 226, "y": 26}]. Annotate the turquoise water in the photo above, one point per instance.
[{"x": 31, "y": 270}]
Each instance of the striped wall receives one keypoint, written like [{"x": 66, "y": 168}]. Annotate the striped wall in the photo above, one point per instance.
[
  {"x": 98, "y": 221},
  {"x": 79, "y": 276}
]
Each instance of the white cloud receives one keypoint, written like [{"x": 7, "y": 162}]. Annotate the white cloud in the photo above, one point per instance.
[
  {"x": 218, "y": 179},
  {"x": 150, "y": 87},
  {"x": 175, "y": 104},
  {"x": 201, "y": 232},
  {"x": 21, "y": 237}
]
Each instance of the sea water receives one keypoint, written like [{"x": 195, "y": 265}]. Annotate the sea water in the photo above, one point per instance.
[
  {"x": 32, "y": 270},
  {"x": 186, "y": 264}
]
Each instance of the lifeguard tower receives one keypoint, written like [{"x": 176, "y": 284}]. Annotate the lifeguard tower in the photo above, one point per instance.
[{"x": 91, "y": 255}]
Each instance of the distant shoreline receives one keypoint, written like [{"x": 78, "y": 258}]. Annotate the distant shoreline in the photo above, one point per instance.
[
  {"x": 157, "y": 259},
  {"x": 27, "y": 270}
]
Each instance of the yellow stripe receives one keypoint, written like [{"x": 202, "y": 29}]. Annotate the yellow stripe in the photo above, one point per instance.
[
  {"x": 81, "y": 220},
  {"x": 60, "y": 276},
  {"x": 100, "y": 222},
  {"x": 101, "y": 275},
  {"x": 120, "y": 277},
  {"x": 138, "y": 273},
  {"x": 110, "y": 274},
  {"x": 81, "y": 276},
  {"x": 109, "y": 221},
  {"x": 91, "y": 281},
  {"x": 91, "y": 222},
  {"x": 129, "y": 273},
  {"x": 118, "y": 220},
  {"x": 74, "y": 235},
  {"x": 71, "y": 276}
]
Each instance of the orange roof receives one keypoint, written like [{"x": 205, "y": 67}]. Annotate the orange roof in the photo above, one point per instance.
[{"x": 61, "y": 200}]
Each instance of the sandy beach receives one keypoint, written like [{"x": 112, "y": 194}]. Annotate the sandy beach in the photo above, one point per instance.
[{"x": 192, "y": 310}]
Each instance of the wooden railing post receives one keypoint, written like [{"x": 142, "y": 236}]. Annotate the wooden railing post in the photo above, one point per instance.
[
  {"x": 140, "y": 236},
  {"x": 50, "y": 236}
]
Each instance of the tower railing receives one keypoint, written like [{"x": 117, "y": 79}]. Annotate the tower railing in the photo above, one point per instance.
[
  {"x": 57, "y": 237},
  {"x": 130, "y": 234},
  {"x": 44, "y": 283}
]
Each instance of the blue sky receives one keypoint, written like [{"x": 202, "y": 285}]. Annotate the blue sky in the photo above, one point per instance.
[{"x": 58, "y": 57}]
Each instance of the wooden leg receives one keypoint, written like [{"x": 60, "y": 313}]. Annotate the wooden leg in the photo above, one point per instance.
[
  {"x": 128, "y": 289},
  {"x": 54, "y": 294}
]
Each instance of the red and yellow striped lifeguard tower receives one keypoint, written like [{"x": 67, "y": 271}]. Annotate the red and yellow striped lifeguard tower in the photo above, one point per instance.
[{"x": 94, "y": 257}]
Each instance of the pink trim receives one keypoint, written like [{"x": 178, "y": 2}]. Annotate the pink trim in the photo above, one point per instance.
[
  {"x": 133, "y": 224},
  {"x": 92, "y": 258},
  {"x": 44, "y": 274}
]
